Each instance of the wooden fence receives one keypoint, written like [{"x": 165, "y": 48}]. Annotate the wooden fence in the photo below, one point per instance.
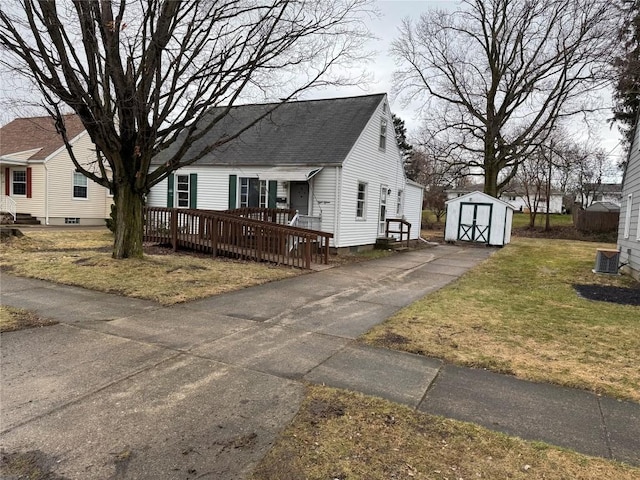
[
  {"x": 228, "y": 234},
  {"x": 586, "y": 221},
  {"x": 274, "y": 215}
]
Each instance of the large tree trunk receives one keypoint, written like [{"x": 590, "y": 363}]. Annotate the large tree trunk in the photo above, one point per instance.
[
  {"x": 490, "y": 179},
  {"x": 129, "y": 219}
]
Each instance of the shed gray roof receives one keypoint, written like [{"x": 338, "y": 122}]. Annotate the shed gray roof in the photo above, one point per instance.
[{"x": 306, "y": 133}]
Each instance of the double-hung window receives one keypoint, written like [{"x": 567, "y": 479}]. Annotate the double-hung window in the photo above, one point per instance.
[
  {"x": 383, "y": 133},
  {"x": 79, "y": 185},
  {"x": 361, "y": 200},
  {"x": 253, "y": 192},
  {"x": 19, "y": 182},
  {"x": 183, "y": 191},
  {"x": 399, "y": 203}
]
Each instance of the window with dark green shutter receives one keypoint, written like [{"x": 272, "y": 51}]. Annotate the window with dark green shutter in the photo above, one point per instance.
[
  {"x": 170, "y": 182},
  {"x": 233, "y": 188}
]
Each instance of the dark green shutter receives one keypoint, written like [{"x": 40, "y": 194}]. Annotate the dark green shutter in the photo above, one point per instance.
[
  {"x": 170, "y": 180},
  {"x": 233, "y": 186},
  {"x": 193, "y": 190},
  {"x": 273, "y": 193}
]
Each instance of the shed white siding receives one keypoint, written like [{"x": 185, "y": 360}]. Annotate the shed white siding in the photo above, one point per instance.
[
  {"x": 413, "y": 207},
  {"x": 629, "y": 227},
  {"x": 501, "y": 216},
  {"x": 375, "y": 167}
]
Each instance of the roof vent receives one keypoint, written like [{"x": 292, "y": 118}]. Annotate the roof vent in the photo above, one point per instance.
[{"x": 607, "y": 261}]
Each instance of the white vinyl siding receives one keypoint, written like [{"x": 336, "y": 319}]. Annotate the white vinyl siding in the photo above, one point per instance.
[
  {"x": 412, "y": 207},
  {"x": 62, "y": 203},
  {"x": 629, "y": 227}
]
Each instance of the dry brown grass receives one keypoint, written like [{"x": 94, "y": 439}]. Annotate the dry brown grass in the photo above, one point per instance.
[
  {"x": 340, "y": 435},
  {"x": 518, "y": 313},
  {"x": 12, "y": 319},
  {"x": 83, "y": 258}
]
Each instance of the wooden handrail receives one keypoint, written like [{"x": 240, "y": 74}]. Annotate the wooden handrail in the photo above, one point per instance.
[
  {"x": 402, "y": 223},
  {"x": 224, "y": 233}
]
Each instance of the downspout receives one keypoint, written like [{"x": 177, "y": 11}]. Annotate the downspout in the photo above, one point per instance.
[
  {"x": 336, "y": 208},
  {"x": 46, "y": 194}
]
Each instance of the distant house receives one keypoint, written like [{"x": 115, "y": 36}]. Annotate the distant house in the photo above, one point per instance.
[
  {"x": 335, "y": 161},
  {"x": 600, "y": 192},
  {"x": 603, "y": 207},
  {"x": 629, "y": 227},
  {"x": 516, "y": 197},
  {"x": 40, "y": 181}
]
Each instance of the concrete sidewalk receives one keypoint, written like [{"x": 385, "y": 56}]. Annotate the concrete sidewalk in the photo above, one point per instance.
[{"x": 125, "y": 388}]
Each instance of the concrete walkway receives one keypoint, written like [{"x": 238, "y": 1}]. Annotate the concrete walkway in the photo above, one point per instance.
[{"x": 125, "y": 388}]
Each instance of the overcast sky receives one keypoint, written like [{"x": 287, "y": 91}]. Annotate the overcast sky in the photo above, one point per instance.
[{"x": 382, "y": 65}]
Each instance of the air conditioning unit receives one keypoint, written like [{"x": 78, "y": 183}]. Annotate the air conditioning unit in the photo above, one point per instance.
[{"x": 607, "y": 261}]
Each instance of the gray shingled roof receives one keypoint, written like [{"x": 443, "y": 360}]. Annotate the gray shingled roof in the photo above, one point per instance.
[{"x": 306, "y": 133}]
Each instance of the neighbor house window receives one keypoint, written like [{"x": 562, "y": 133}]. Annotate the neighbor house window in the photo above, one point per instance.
[
  {"x": 383, "y": 133},
  {"x": 182, "y": 189},
  {"x": 627, "y": 215},
  {"x": 399, "y": 203},
  {"x": 19, "y": 182},
  {"x": 361, "y": 201},
  {"x": 79, "y": 185},
  {"x": 253, "y": 192}
]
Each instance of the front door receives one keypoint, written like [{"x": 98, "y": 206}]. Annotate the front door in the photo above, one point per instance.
[
  {"x": 475, "y": 222},
  {"x": 299, "y": 193},
  {"x": 382, "y": 217}
]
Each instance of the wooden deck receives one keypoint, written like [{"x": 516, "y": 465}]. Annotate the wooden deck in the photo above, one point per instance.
[{"x": 238, "y": 234}]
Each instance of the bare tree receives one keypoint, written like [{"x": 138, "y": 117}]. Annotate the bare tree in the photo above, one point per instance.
[
  {"x": 496, "y": 75},
  {"x": 143, "y": 75},
  {"x": 532, "y": 180}
]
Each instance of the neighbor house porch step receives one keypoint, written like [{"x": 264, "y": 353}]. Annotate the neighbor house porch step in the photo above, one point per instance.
[{"x": 26, "y": 219}]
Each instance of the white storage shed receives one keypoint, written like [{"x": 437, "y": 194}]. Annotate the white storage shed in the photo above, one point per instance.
[{"x": 478, "y": 217}]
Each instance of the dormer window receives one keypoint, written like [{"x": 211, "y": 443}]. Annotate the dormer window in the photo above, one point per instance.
[{"x": 383, "y": 133}]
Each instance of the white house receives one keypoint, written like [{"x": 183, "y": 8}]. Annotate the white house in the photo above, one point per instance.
[
  {"x": 336, "y": 161},
  {"x": 39, "y": 179},
  {"x": 480, "y": 218},
  {"x": 600, "y": 192},
  {"x": 629, "y": 227}
]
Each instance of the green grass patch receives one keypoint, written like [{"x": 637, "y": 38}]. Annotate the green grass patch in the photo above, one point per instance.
[
  {"x": 340, "y": 435},
  {"x": 518, "y": 313},
  {"x": 556, "y": 220}
]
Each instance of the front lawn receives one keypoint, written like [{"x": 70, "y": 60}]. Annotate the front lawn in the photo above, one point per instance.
[
  {"x": 518, "y": 313},
  {"x": 83, "y": 258}
]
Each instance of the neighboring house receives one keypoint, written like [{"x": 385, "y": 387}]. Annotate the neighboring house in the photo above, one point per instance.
[
  {"x": 600, "y": 192},
  {"x": 335, "y": 161},
  {"x": 39, "y": 179},
  {"x": 603, "y": 207},
  {"x": 515, "y": 197},
  {"x": 629, "y": 227}
]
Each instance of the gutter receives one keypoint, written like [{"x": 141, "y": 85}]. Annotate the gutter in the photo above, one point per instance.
[{"x": 46, "y": 194}]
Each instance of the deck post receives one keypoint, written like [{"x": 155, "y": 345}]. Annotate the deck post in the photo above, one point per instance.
[
  {"x": 326, "y": 250},
  {"x": 174, "y": 229},
  {"x": 307, "y": 253}
]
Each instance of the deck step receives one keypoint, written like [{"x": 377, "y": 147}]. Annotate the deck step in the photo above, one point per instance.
[{"x": 26, "y": 219}]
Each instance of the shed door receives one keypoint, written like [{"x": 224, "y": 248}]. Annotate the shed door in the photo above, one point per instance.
[{"x": 475, "y": 222}]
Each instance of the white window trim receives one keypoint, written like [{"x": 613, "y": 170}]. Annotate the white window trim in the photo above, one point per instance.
[
  {"x": 627, "y": 216},
  {"x": 11, "y": 172},
  {"x": 364, "y": 200},
  {"x": 638, "y": 226},
  {"x": 400, "y": 203},
  {"x": 263, "y": 194},
  {"x": 73, "y": 185}
]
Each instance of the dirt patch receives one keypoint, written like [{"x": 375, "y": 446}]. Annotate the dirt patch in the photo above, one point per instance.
[
  {"x": 390, "y": 338},
  {"x": 321, "y": 410},
  {"x": 33, "y": 465},
  {"x": 608, "y": 293}
]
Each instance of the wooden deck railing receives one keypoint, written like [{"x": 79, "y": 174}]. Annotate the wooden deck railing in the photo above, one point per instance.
[
  {"x": 227, "y": 234},
  {"x": 402, "y": 223},
  {"x": 274, "y": 215}
]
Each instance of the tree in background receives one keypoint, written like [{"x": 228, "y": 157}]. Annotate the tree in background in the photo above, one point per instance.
[
  {"x": 627, "y": 70},
  {"x": 496, "y": 75},
  {"x": 401, "y": 138},
  {"x": 144, "y": 76}
]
